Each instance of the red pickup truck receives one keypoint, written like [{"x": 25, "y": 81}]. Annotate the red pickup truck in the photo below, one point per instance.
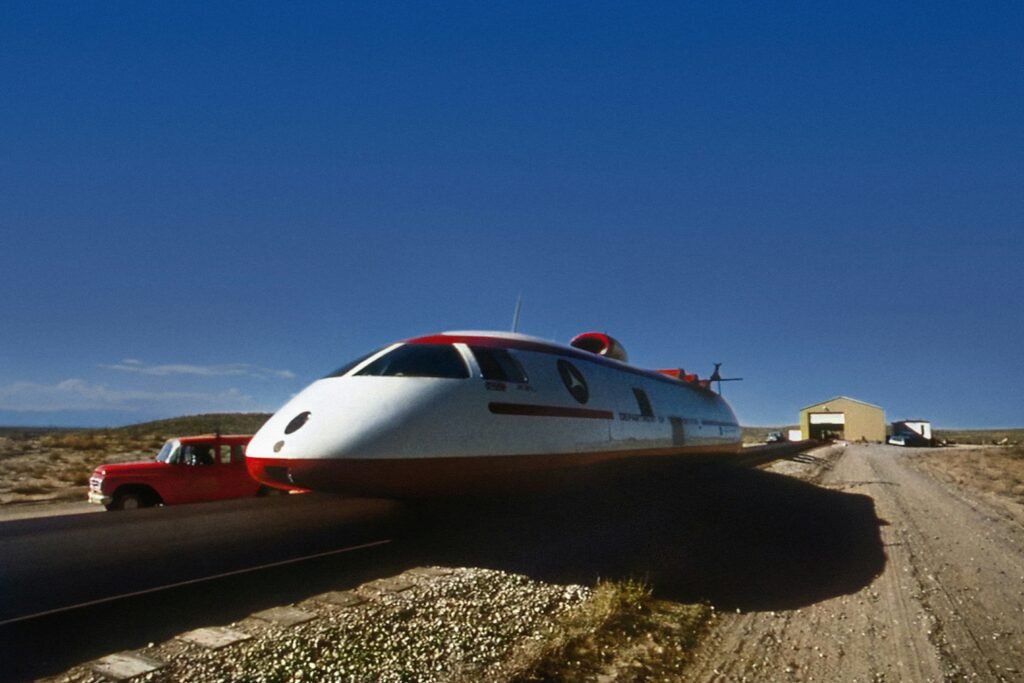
[{"x": 189, "y": 469}]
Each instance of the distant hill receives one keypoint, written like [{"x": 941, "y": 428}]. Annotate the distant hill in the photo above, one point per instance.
[
  {"x": 979, "y": 436},
  {"x": 225, "y": 423}
]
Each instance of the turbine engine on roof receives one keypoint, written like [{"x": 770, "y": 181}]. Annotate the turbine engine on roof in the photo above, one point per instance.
[{"x": 601, "y": 344}]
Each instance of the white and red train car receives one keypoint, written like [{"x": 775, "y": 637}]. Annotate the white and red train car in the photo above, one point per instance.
[{"x": 462, "y": 411}]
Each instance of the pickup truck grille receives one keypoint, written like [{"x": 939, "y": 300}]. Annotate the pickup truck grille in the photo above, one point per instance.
[{"x": 94, "y": 483}]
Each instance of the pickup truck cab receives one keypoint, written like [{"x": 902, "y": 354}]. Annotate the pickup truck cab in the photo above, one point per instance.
[{"x": 188, "y": 469}]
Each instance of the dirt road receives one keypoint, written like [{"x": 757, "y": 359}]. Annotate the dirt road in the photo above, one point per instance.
[{"x": 949, "y": 604}]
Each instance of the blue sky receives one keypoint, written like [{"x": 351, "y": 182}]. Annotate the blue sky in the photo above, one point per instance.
[{"x": 205, "y": 206}]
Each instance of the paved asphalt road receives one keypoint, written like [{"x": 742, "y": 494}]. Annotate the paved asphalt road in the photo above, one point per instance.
[{"x": 55, "y": 562}]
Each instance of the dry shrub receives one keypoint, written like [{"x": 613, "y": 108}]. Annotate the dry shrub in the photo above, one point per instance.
[
  {"x": 31, "y": 490},
  {"x": 997, "y": 470},
  {"x": 74, "y": 475},
  {"x": 30, "y": 468},
  {"x": 621, "y": 625},
  {"x": 82, "y": 441}
]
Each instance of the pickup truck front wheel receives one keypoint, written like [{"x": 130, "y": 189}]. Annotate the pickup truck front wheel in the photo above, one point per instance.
[
  {"x": 265, "y": 491},
  {"x": 131, "y": 500}
]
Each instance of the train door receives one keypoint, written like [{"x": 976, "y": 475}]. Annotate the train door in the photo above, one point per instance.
[{"x": 636, "y": 423}]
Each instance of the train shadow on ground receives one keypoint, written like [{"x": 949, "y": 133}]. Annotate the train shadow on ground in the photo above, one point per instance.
[
  {"x": 739, "y": 538},
  {"x": 734, "y": 536}
]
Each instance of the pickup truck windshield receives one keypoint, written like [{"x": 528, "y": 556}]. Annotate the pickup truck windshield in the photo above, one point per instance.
[{"x": 169, "y": 453}]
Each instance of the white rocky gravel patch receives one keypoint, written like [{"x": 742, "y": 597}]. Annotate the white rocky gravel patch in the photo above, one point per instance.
[{"x": 431, "y": 624}]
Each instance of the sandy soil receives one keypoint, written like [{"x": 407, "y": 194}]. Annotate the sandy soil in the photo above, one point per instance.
[{"x": 949, "y": 604}]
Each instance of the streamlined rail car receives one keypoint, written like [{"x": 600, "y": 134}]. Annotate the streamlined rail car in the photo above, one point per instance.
[{"x": 458, "y": 412}]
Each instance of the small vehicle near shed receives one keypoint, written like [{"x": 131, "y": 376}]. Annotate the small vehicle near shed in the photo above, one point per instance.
[
  {"x": 776, "y": 437},
  {"x": 909, "y": 439},
  {"x": 188, "y": 469},
  {"x": 912, "y": 433}
]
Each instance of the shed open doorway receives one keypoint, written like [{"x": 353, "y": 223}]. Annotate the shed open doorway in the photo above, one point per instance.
[{"x": 825, "y": 426}]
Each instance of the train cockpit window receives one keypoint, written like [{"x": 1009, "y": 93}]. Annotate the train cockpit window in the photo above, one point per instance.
[
  {"x": 498, "y": 365},
  {"x": 419, "y": 360},
  {"x": 347, "y": 367}
]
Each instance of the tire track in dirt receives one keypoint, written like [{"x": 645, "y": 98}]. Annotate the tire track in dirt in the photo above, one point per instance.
[
  {"x": 972, "y": 573},
  {"x": 948, "y": 605}
]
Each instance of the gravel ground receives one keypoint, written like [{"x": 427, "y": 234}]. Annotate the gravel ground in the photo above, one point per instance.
[{"x": 430, "y": 624}]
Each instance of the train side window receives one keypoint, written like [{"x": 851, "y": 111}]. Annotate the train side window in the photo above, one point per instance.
[
  {"x": 499, "y": 365},
  {"x": 419, "y": 360},
  {"x": 643, "y": 402}
]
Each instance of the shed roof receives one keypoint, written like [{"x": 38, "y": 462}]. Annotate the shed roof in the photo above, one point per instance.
[{"x": 843, "y": 398}]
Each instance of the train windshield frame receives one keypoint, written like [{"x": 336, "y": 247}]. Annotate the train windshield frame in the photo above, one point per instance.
[
  {"x": 442, "y": 361},
  {"x": 348, "y": 367}
]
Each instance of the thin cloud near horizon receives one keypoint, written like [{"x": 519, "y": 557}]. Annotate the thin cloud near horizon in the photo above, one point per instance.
[
  {"x": 135, "y": 366},
  {"x": 78, "y": 394}
]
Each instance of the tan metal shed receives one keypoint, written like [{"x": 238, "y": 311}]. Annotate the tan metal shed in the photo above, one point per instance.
[{"x": 843, "y": 418}]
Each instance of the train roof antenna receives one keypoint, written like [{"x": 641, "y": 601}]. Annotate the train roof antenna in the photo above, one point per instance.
[{"x": 515, "y": 316}]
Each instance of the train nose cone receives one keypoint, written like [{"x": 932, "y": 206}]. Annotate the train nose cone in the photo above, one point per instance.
[{"x": 335, "y": 421}]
